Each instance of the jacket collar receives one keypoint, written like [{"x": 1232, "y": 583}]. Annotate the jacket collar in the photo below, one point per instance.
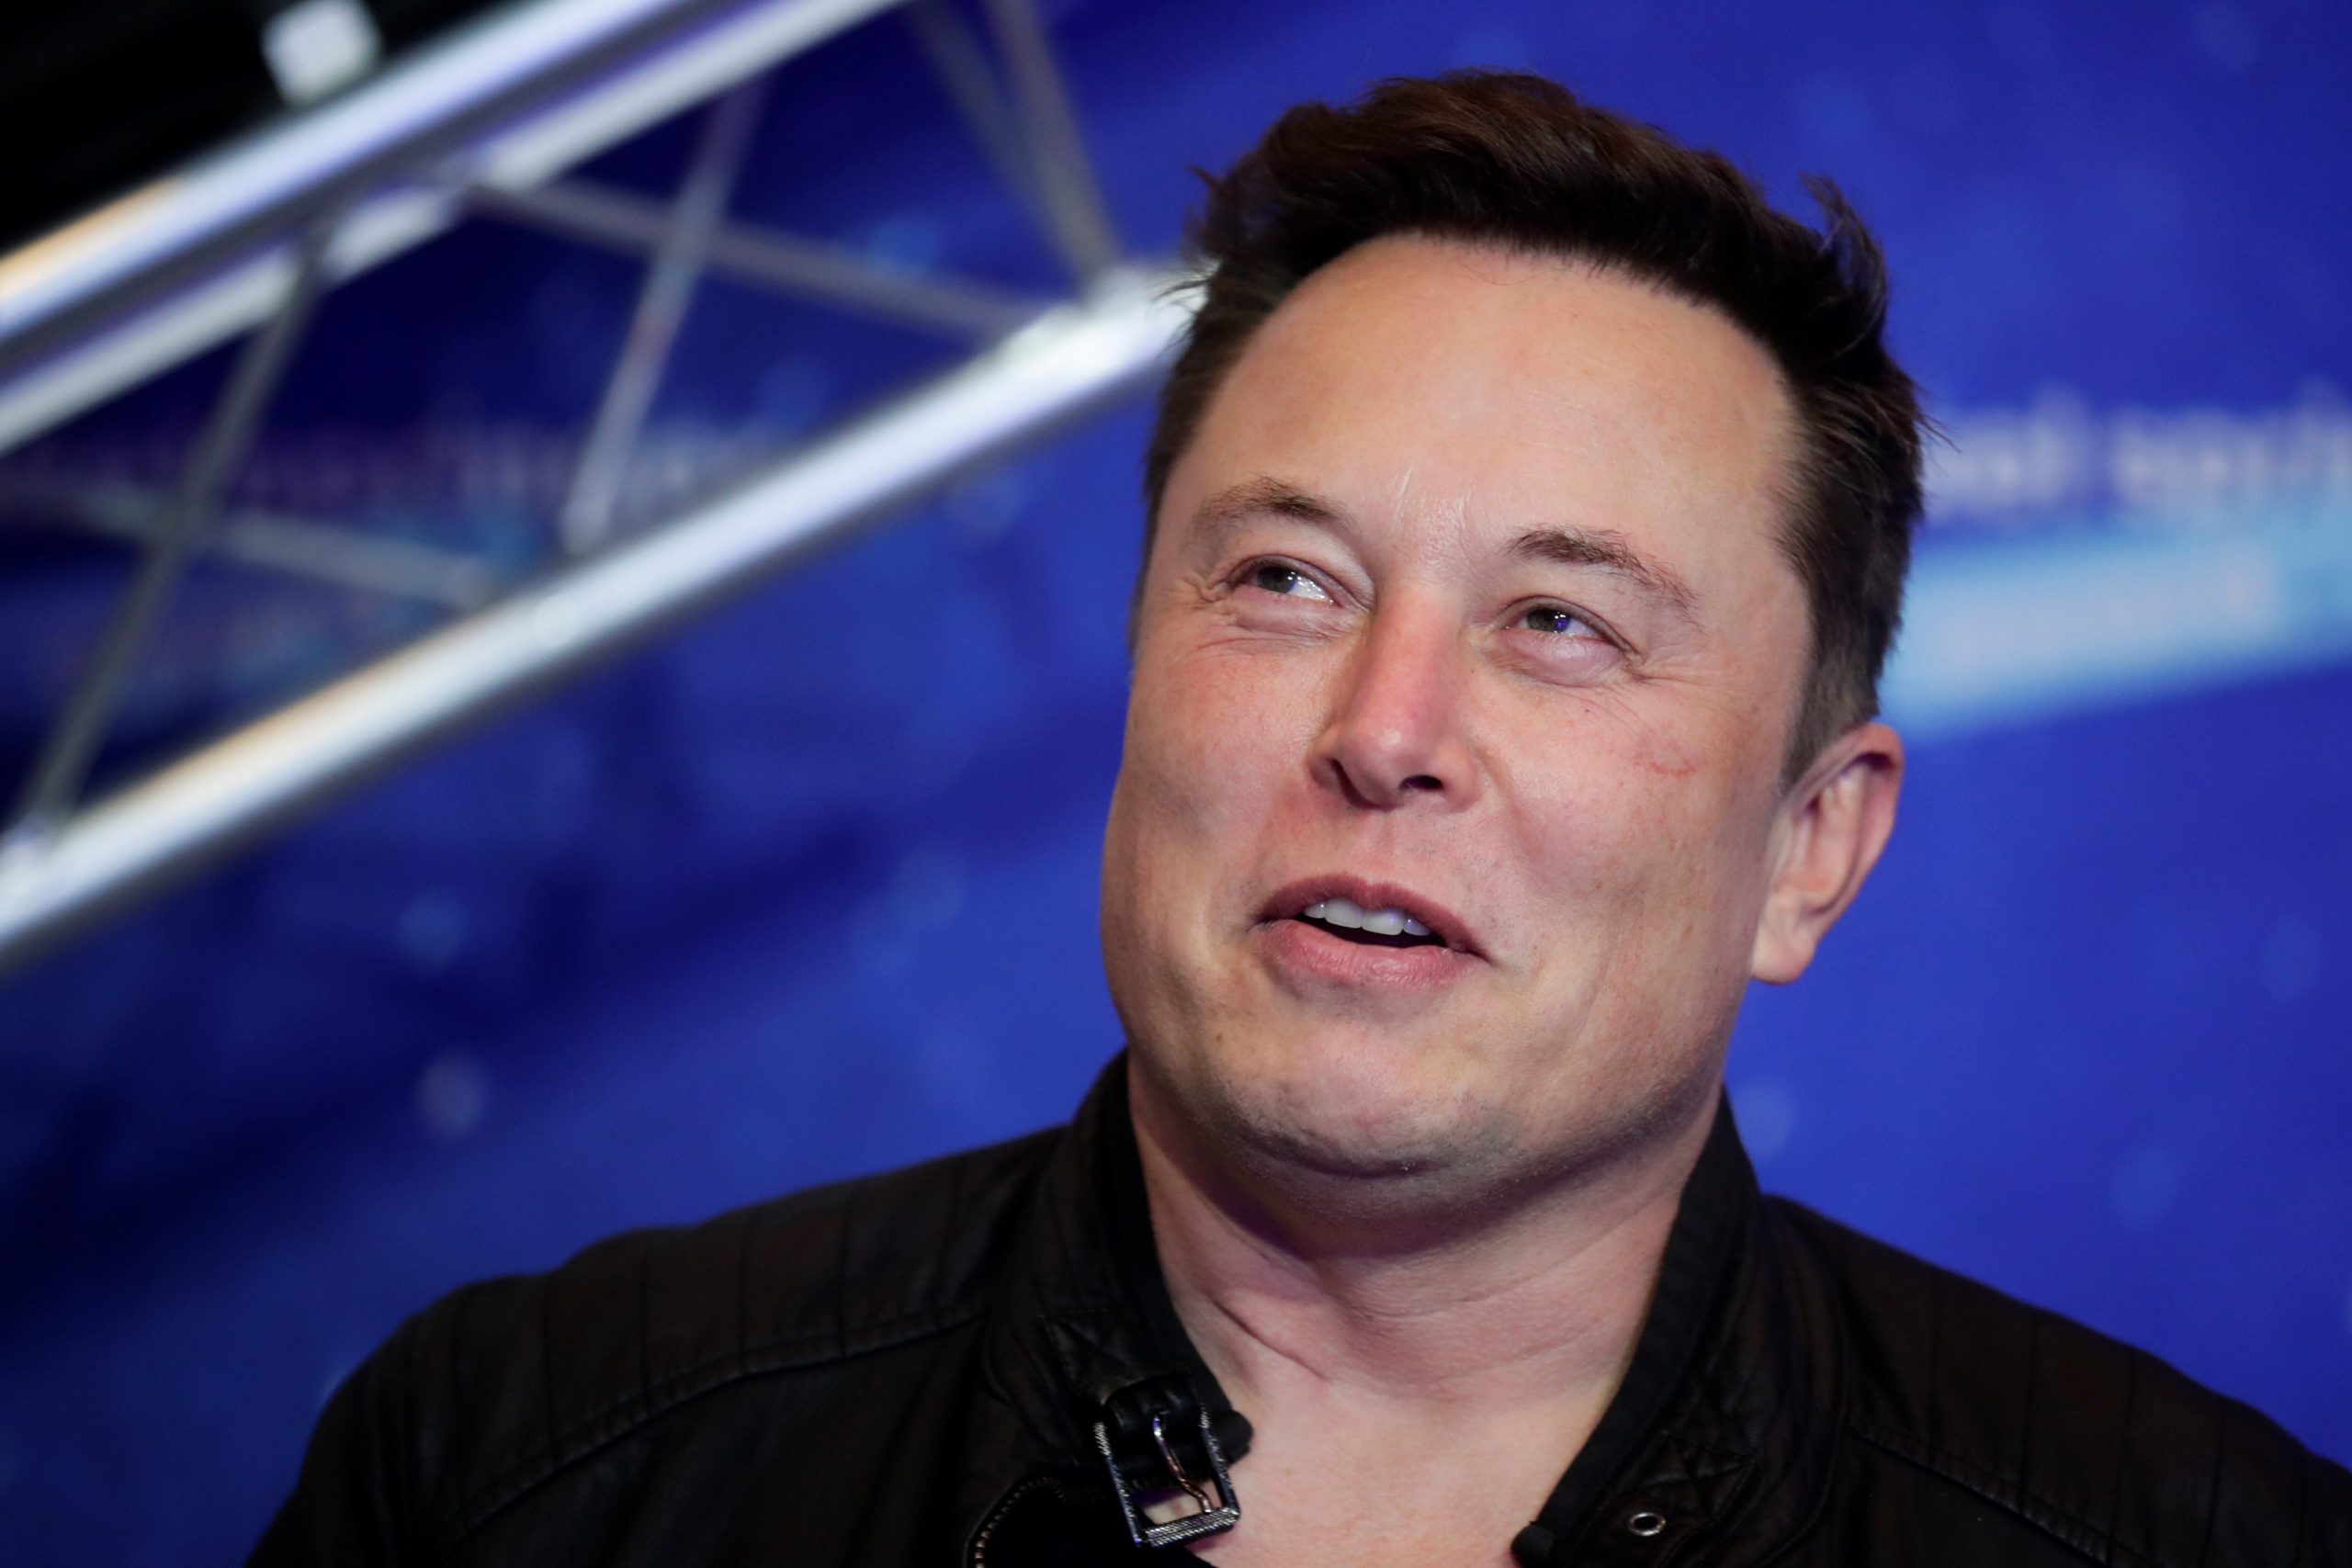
[{"x": 1722, "y": 1431}]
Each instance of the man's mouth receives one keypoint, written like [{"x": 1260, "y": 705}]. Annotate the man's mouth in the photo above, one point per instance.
[
  {"x": 1315, "y": 932},
  {"x": 1370, "y": 914},
  {"x": 1349, "y": 921}
]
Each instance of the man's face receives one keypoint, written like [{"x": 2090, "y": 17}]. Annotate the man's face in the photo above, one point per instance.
[{"x": 1467, "y": 602}]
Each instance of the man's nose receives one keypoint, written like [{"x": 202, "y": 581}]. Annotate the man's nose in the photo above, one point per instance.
[{"x": 1397, "y": 730}]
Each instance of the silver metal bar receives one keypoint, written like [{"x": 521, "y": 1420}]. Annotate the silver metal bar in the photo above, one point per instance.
[
  {"x": 1057, "y": 151},
  {"x": 398, "y": 569},
  {"x": 962, "y": 66},
  {"x": 783, "y": 264},
  {"x": 347, "y": 557},
  {"x": 587, "y": 514},
  {"x": 96, "y": 307},
  {"x": 219, "y": 451},
  {"x": 407, "y": 111},
  {"x": 1064, "y": 364}
]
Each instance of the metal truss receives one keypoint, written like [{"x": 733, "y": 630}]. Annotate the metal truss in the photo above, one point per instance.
[{"x": 486, "y": 124}]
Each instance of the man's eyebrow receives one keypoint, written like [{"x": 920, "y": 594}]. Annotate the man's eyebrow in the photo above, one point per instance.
[
  {"x": 1259, "y": 497},
  {"x": 1608, "y": 551}
]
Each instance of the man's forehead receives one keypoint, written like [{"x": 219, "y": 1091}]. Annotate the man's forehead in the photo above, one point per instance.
[
  {"x": 1575, "y": 407},
  {"x": 1414, "y": 290}
]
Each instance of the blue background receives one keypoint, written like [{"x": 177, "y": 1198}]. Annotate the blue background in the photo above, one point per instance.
[{"x": 808, "y": 889}]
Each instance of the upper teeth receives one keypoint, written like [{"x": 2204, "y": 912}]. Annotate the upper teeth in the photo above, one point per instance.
[{"x": 1380, "y": 922}]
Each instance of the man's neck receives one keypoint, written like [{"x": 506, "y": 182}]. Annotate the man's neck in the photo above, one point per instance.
[{"x": 1465, "y": 1367}]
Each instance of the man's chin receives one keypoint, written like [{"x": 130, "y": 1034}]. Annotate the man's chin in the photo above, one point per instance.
[
  {"x": 1330, "y": 1107},
  {"x": 1365, "y": 1129}
]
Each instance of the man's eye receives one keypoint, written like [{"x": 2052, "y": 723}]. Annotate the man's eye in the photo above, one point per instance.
[
  {"x": 1556, "y": 622},
  {"x": 1288, "y": 581}
]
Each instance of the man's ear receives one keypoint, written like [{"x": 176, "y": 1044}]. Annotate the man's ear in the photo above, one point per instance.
[{"x": 1834, "y": 822}]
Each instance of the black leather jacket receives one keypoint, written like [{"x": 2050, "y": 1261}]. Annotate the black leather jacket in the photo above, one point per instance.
[{"x": 925, "y": 1367}]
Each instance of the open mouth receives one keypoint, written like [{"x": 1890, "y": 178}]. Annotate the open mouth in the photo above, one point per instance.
[{"x": 1373, "y": 928}]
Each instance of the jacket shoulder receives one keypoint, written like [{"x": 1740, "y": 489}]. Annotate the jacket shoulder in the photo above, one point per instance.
[
  {"x": 2101, "y": 1446},
  {"x": 499, "y": 1384}
]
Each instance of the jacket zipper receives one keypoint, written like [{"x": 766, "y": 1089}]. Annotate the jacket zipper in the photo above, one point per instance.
[{"x": 996, "y": 1518}]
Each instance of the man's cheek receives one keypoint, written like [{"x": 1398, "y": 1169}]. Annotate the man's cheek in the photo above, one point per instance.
[
  {"x": 1215, "y": 755},
  {"x": 1625, "y": 859}
]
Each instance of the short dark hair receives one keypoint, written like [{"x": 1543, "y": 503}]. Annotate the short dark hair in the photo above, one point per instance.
[{"x": 1515, "y": 160}]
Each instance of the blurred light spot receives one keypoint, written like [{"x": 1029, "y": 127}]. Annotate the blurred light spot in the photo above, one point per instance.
[
  {"x": 2144, "y": 1186},
  {"x": 928, "y": 890},
  {"x": 1767, "y": 1116},
  {"x": 2290, "y": 961},
  {"x": 431, "y": 933},
  {"x": 450, "y": 1095},
  {"x": 2348, "y": 1310},
  {"x": 1833, "y": 110},
  {"x": 791, "y": 394},
  {"x": 317, "y": 46},
  {"x": 1502, "y": 49},
  {"x": 907, "y": 242},
  {"x": 956, "y": 1067},
  {"x": 2226, "y": 36},
  {"x": 984, "y": 507},
  {"x": 883, "y": 946}
]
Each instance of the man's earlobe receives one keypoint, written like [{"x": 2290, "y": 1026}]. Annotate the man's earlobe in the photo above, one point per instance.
[{"x": 1834, "y": 823}]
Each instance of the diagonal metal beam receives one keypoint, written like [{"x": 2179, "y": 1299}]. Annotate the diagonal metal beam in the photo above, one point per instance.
[
  {"x": 1056, "y": 150},
  {"x": 677, "y": 265},
  {"x": 347, "y": 557},
  {"x": 781, "y": 264},
  {"x": 961, "y": 63},
  {"x": 219, "y": 451},
  {"x": 1057, "y": 369}
]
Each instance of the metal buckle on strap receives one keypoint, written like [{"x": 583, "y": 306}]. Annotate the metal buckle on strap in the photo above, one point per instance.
[{"x": 1215, "y": 1513}]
